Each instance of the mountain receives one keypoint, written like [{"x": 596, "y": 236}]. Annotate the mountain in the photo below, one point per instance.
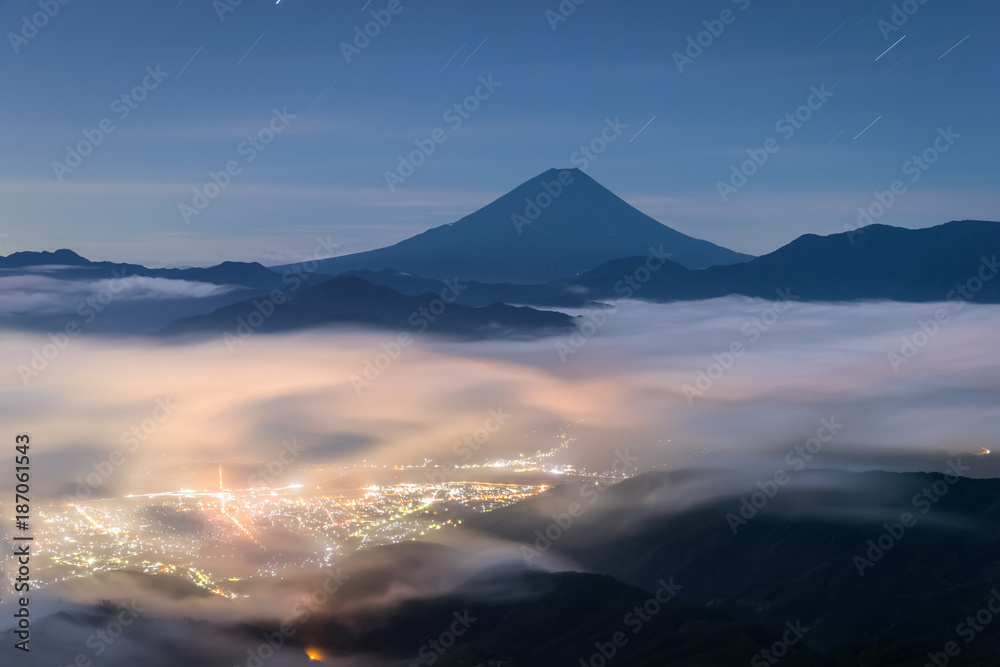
[
  {"x": 61, "y": 257},
  {"x": 122, "y": 298},
  {"x": 802, "y": 553},
  {"x": 554, "y": 226},
  {"x": 68, "y": 265},
  {"x": 351, "y": 300},
  {"x": 472, "y": 293},
  {"x": 646, "y": 572},
  {"x": 524, "y": 618},
  {"x": 875, "y": 262},
  {"x": 502, "y": 616},
  {"x": 954, "y": 261}
]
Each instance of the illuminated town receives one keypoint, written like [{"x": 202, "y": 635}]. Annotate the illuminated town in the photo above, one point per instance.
[{"x": 222, "y": 538}]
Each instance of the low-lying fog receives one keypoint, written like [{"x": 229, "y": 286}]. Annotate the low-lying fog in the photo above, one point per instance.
[{"x": 679, "y": 385}]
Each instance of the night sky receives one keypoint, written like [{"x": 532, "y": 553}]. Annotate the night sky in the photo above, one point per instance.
[{"x": 212, "y": 75}]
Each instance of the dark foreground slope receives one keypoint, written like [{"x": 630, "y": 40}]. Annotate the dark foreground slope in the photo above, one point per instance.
[
  {"x": 831, "y": 548},
  {"x": 649, "y": 573}
]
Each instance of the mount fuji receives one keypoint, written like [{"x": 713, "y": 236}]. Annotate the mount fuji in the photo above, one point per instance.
[{"x": 555, "y": 226}]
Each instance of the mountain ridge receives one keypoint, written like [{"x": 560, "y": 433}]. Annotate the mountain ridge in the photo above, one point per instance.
[
  {"x": 349, "y": 300},
  {"x": 72, "y": 265},
  {"x": 874, "y": 262}
]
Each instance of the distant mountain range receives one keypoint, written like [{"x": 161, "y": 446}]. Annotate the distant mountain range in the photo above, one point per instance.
[
  {"x": 954, "y": 261},
  {"x": 351, "y": 300},
  {"x": 300, "y": 299},
  {"x": 52, "y": 289},
  {"x": 68, "y": 265},
  {"x": 555, "y": 226},
  {"x": 579, "y": 246},
  {"x": 554, "y": 295}
]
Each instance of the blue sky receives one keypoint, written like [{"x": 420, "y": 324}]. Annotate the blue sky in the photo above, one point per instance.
[{"x": 323, "y": 175}]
